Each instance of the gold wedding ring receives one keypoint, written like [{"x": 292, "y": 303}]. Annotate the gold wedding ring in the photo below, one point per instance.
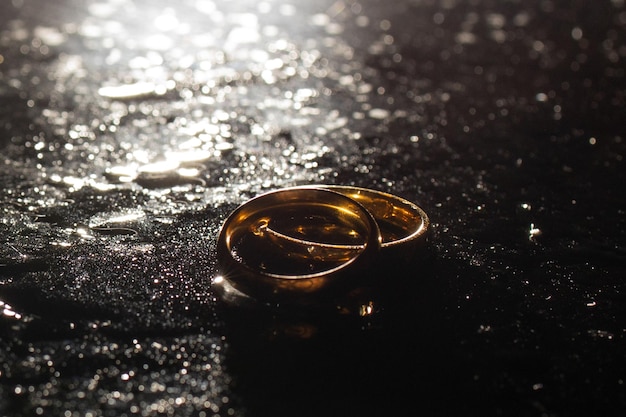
[
  {"x": 307, "y": 224},
  {"x": 403, "y": 225},
  {"x": 309, "y": 238}
]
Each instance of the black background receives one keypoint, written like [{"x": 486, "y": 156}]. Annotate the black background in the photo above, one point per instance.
[{"x": 503, "y": 120}]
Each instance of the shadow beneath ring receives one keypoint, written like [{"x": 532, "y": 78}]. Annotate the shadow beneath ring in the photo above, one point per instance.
[{"x": 385, "y": 355}]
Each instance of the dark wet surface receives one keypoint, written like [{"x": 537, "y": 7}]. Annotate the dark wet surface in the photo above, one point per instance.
[{"x": 130, "y": 130}]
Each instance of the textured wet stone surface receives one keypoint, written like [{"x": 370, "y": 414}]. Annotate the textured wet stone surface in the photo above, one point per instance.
[{"x": 130, "y": 130}]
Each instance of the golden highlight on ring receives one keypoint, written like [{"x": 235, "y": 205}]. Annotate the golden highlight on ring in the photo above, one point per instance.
[{"x": 315, "y": 239}]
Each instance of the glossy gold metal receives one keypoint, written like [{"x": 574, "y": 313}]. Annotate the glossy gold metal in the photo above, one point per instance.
[
  {"x": 403, "y": 226},
  {"x": 284, "y": 243}
]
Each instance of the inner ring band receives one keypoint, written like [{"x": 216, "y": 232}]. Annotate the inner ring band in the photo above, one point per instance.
[{"x": 310, "y": 208}]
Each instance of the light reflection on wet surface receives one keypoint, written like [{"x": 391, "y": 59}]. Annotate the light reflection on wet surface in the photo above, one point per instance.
[{"x": 131, "y": 128}]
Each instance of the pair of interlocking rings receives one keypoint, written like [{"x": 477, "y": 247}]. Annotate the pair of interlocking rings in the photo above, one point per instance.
[{"x": 316, "y": 239}]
